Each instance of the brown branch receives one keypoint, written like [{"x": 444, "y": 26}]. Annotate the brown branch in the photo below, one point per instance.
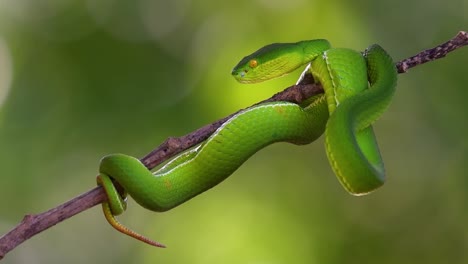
[
  {"x": 460, "y": 40},
  {"x": 34, "y": 224}
]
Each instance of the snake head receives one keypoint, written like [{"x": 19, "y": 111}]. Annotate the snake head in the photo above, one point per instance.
[{"x": 277, "y": 59}]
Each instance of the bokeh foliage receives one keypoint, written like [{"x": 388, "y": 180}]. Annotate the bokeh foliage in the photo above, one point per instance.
[{"x": 81, "y": 79}]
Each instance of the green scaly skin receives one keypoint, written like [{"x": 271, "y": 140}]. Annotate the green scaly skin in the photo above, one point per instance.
[{"x": 345, "y": 112}]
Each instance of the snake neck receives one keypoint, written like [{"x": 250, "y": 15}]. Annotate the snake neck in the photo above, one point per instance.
[
  {"x": 382, "y": 76},
  {"x": 342, "y": 74}
]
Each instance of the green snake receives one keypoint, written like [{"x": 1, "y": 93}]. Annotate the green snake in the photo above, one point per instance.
[{"x": 358, "y": 87}]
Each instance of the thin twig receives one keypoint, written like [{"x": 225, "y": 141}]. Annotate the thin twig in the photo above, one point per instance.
[
  {"x": 460, "y": 40},
  {"x": 34, "y": 224}
]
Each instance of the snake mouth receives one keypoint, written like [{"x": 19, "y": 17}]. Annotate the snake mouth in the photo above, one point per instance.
[{"x": 239, "y": 75}]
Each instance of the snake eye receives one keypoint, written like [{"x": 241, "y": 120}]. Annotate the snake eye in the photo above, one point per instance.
[{"x": 253, "y": 63}]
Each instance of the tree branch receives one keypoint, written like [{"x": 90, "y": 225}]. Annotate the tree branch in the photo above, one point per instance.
[{"x": 34, "y": 224}]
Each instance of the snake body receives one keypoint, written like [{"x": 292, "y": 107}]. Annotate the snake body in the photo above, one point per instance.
[{"x": 345, "y": 112}]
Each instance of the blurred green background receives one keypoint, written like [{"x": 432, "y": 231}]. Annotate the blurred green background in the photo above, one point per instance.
[{"x": 81, "y": 79}]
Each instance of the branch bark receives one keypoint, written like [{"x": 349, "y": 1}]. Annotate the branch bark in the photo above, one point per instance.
[{"x": 34, "y": 224}]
